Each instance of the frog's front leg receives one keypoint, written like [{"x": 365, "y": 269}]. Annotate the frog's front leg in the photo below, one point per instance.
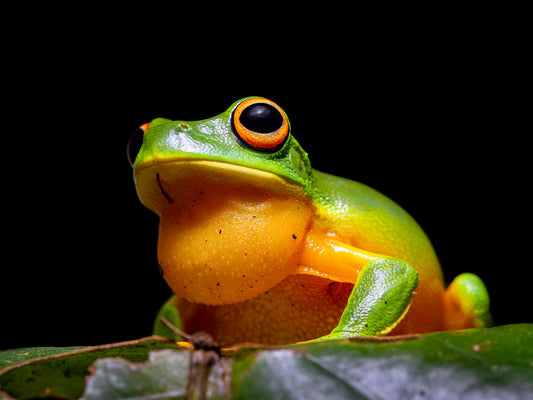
[
  {"x": 382, "y": 292},
  {"x": 379, "y": 300}
]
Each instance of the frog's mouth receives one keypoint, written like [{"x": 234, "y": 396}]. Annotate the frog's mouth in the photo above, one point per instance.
[{"x": 227, "y": 233}]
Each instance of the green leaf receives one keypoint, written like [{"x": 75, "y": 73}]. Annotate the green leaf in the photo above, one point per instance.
[
  {"x": 5, "y": 396},
  {"x": 10, "y": 358},
  {"x": 61, "y": 372},
  {"x": 470, "y": 364}
]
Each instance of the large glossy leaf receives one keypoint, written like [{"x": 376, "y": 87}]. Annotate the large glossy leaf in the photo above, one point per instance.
[{"x": 472, "y": 364}]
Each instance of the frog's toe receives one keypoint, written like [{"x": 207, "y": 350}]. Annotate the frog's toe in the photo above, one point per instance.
[
  {"x": 466, "y": 303},
  {"x": 170, "y": 312}
]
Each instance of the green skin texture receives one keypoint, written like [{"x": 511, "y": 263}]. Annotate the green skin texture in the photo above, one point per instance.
[{"x": 383, "y": 292}]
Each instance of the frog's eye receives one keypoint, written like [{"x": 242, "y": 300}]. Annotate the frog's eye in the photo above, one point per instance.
[
  {"x": 135, "y": 142},
  {"x": 260, "y": 124}
]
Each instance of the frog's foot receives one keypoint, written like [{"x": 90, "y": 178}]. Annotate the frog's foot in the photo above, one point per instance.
[
  {"x": 171, "y": 314},
  {"x": 466, "y": 303},
  {"x": 379, "y": 300}
]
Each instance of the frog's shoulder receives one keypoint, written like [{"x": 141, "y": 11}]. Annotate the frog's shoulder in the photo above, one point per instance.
[
  {"x": 362, "y": 217},
  {"x": 346, "y": 202},
  {"x": 345, "y": 195}
]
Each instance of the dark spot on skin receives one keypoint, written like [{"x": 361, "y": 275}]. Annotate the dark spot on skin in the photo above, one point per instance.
[
  {"x": 330, "y": 289},
  {"x": 218, "y": 284},
  {"x": 294, "y": 236},
  {"x": 165, "y": 194},
  {"x": 220, "y": 231}
]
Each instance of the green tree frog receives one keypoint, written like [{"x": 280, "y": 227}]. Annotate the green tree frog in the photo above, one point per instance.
[{"x": 257, "y": 246}]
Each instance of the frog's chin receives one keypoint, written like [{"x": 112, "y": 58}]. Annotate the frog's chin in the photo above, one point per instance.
[
  {"x": 226, "y": 234},
  {"x": 160, "y": 184},
  {"x": 218, "y": 294}
]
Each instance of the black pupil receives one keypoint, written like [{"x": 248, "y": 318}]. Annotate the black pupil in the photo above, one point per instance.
[{"x": 261, "y": 118}]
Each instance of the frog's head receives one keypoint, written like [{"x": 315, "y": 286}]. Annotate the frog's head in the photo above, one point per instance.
[
  {"x": 231, "y": 193},
  {"x": 252, "y": 133}
]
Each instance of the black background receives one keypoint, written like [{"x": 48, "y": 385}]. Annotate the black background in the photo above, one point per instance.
[{"x": 432, "y": 118}]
